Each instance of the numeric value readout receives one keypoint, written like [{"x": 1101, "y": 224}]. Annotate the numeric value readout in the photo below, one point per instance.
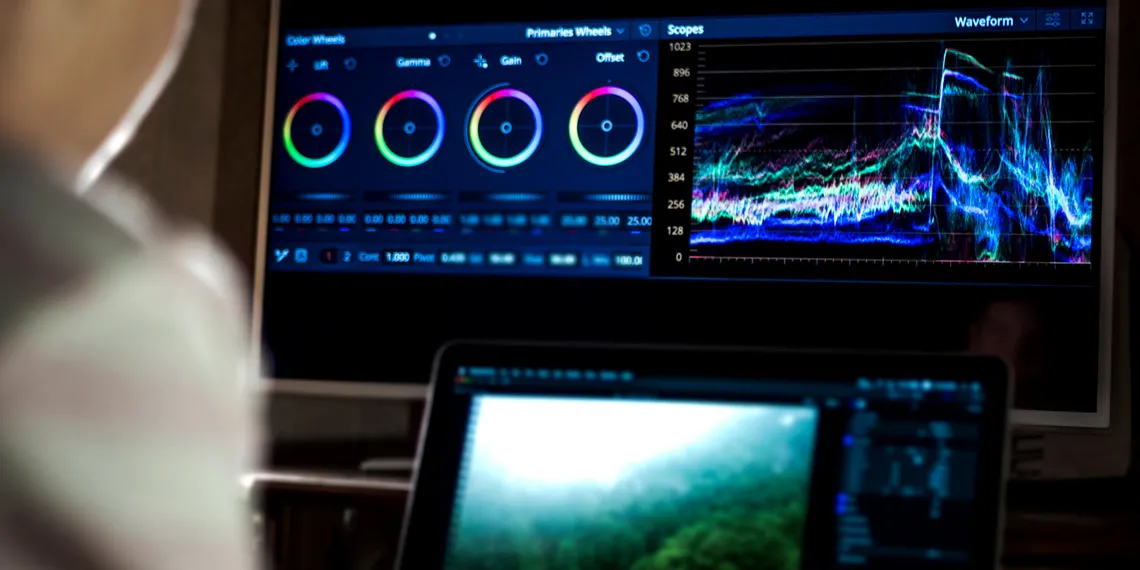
[{"x": 673, "y": 175}]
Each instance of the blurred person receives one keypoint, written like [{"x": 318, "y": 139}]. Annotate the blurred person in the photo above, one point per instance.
[{"x": 127, "y": 412}]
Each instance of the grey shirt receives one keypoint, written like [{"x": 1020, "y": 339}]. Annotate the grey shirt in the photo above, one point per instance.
[{"x": 127, "y": 408}]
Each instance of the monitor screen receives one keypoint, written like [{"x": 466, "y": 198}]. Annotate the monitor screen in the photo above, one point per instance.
[
  {"x": 578, "y": 459},
  {"x": 795, "y": 174}
]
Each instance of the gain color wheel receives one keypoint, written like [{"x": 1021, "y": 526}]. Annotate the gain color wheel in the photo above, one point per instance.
[{"x": 504, "y": 128}]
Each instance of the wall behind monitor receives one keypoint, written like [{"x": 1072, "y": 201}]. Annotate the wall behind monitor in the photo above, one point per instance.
[
  {"x": 1129, "y": 161},
  {"x": 174, "y": 155},
  {"x": 1129, "y": 132},
  {"x": 239, "y": 150}
]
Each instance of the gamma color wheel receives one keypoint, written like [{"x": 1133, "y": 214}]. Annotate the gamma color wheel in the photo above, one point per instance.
[{"x": 408, "y": 128}]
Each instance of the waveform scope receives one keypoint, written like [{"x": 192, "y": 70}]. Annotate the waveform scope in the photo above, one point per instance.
[{"x": 976, "y": 152}]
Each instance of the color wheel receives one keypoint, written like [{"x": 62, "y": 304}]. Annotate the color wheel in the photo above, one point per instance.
[
  {"x": 409, "y": 128},
  {"x": 606, "y": 126},
  {"x": 346, "y": 131},
  {"x": 506, "y": 128}
]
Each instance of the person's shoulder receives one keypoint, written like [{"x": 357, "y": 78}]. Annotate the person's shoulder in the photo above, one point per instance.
[
  {"x": 141, "y": 351},
  {"x": 201, "y": 263},
  {"x": 51, "y": 239},
  {"x": 110, "y": 250},
  {"x": 201, "y": 271},
  {"x": 170, "y": 304}
]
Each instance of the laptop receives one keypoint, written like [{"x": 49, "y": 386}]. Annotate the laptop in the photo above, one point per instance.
[{"x": 575, "y": 457}]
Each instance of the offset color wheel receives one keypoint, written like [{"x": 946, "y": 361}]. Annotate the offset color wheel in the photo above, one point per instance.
[
  {"x": 346, "y": 131},
  {"x": 474, "y": 124},
  {"x": 606, "y": 126},
  {"x": 409, "y": 128}
]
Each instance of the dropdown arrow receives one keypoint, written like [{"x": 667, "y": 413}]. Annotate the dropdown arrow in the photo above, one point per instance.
[
  {"x": 1024, "y": 20},
  {"x": 620, "y": 31}
]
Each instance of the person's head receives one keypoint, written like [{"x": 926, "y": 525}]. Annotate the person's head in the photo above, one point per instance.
[{"x": 76, "y": 76}]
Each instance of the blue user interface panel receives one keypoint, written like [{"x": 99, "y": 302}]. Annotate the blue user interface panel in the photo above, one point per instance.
[
  {"x": 843, "y": 471},
  {"x": 948, "y": 146},
  {"x": 815, "y": 463}
]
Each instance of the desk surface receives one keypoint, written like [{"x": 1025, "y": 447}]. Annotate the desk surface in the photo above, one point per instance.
[
  {"x": 1055, "y": 526},
  {"x": 1073, "y": 524}
]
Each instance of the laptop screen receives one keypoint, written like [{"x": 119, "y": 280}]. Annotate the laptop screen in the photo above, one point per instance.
[{"x": 641, "y": 460}]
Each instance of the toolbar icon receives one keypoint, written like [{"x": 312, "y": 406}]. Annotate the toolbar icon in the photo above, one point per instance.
[
  {"x": 645, "y": 30},
  {"x": 1086, "y": 19},
  {"x": 1052, "y": 19},
  {"x": 480, "y": 61},
  {"x": 280, "y": 255},
  {"x": 301, "y": 255}
]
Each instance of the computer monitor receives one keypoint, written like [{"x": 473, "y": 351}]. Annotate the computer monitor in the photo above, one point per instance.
[
  {"x": 807, "y": 174},
  {"x": 584, "y": 457}
]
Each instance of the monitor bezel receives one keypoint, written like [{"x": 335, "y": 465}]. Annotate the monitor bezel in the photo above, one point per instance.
[
  {"x": 314, "y": 388},
  {"x": 414, "y": 391},
  {"x": 808, "y": 366}
]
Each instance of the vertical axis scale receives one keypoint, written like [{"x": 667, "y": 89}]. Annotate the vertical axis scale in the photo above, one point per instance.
[{"x": 673, "y": 177}]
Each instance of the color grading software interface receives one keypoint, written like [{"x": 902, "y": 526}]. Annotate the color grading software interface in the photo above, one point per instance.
[
  {"x": 920, "y": 146},
  {"x": 881, "y": 472}
]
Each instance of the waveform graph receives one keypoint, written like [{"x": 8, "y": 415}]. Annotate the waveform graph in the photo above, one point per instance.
[
  {"x": 504, "y": 128},
  {"x": 963, "y": 152}
]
